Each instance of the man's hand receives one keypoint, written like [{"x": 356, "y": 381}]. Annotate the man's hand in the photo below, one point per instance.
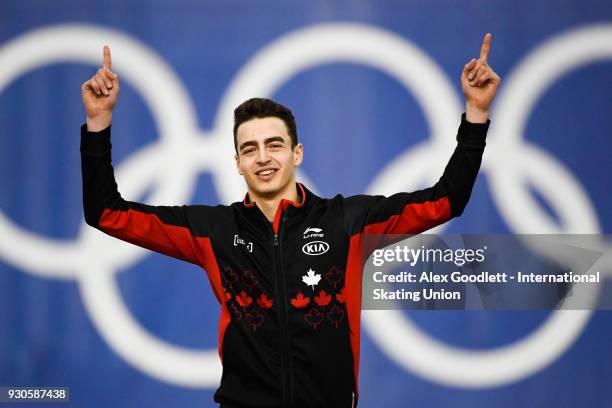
[
  {"x": 479, "y": 83},
  {"x": 100, "y": 95}
]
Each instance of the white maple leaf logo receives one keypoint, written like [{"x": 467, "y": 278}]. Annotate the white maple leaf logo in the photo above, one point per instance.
[{"x": 311, "y": 278}]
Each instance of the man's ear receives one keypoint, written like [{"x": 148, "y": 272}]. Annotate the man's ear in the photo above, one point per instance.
[
  {"x": 298, "y": 154},
  {"x": 238, "y": 164}
]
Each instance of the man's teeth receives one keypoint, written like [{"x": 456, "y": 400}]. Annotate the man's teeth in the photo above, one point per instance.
[{"x": 266, "y": 172}]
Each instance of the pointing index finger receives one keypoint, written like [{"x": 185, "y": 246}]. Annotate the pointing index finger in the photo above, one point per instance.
[
  {"x": 107, "y": 57},
  {"x": 484, "y": 50}
]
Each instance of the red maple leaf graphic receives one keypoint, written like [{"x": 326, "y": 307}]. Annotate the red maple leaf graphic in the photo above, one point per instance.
[
  {"x": 264, "y": 302},
  {"x": 300, "y": 302},
  {"x": 334, "y": 276},
  {"x": 323, "y": 299},
  {"x": 229, "y": 275},
  {"x": 335, "y": 315},
  {"x": 254, "y": 317},
  {"x": 236, "y": 312},
  {"x": 341, "y": 297},
  {"x": 243, "y": 299},
  {"x": 314, "y": 317},
  {"x": 249, "y": 279}
]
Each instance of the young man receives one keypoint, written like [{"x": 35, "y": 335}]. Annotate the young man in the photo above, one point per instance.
[{"x": 284, "y": 264}]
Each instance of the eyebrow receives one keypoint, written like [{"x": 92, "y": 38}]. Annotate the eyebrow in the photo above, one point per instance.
[{"x": 266, "y": 141}]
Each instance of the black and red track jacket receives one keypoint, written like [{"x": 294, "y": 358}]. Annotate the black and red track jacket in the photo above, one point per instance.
[{"x": 290, "y": 291}]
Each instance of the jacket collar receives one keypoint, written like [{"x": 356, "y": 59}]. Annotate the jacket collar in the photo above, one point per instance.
[
  {"x": 302, "y": 195},
  {"x": 284, "y": 203}
]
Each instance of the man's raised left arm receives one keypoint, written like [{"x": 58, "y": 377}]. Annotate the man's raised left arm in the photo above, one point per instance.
[{"x": 418, "y": 211}]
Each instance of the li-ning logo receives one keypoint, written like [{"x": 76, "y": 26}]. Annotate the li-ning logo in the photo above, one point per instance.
[
  {"x": 241, "y": 241},
  {"x": 315, "y": 248},
  {"x": 313, "y": 232}
]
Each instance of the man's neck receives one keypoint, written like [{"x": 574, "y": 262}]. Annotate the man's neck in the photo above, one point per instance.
[{"x": 269, "y": 205}]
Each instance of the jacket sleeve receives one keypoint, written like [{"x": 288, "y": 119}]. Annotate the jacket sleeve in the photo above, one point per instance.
[
  {"x": 418, "y": 211},
  {"x": 165, "y": 229}
]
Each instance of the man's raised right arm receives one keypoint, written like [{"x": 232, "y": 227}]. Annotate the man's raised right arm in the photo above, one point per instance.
[{"x": 165, "y": 229}]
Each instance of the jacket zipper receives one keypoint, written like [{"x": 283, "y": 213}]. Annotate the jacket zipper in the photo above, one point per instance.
[{"x": 287, "y": 372}]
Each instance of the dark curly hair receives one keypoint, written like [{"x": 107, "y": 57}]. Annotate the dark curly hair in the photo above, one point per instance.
[{"x": 263, "y": 108}]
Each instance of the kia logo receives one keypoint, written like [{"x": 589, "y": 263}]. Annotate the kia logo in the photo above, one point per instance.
[{"x": 315, "y": 248}]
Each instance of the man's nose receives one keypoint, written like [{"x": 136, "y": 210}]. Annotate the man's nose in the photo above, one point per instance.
[{"x": 262, "y": 156}]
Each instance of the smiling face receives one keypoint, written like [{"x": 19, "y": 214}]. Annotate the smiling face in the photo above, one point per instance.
[{"x": 265, "y": 157}]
